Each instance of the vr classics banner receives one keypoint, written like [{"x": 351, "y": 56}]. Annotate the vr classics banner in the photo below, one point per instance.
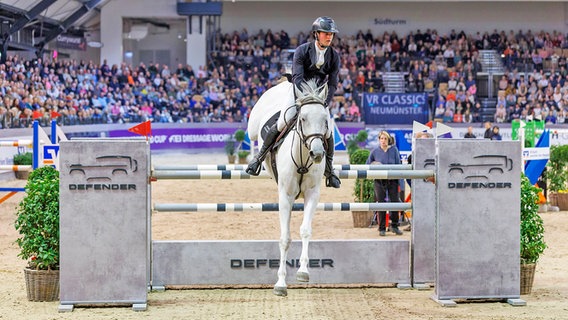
[{"x": 395, "y": 108}]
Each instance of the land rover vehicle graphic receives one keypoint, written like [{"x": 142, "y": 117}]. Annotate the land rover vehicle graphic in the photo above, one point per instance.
[
  {"x": 105, "y": 167},
  {"x": 483, "y": 164}
]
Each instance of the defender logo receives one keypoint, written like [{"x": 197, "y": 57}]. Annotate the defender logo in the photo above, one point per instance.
[
  {"x": 105, "y": 168},
  {"x": 481, "y": 169},
  {"x": 487, "y": 163}
]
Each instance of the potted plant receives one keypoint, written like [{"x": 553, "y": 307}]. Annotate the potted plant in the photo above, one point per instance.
[
  {"x": 38, "y": 225},
  {"x": 532, "y": 233},
  {"x": 23, "y": 159},
  {"x": 240, "y": 137},
  {"x": 242, "y": 154},
  {"x": 230, "y": 149},
  {"x": 363, "y": 191},
  {"x": 557, "y": 176}
]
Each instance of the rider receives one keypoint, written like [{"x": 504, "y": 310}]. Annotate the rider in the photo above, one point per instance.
[{"x": 311, "y": 60}]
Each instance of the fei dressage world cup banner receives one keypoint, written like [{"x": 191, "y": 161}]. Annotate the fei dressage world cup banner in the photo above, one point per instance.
[{"x": 395, "y": 108}]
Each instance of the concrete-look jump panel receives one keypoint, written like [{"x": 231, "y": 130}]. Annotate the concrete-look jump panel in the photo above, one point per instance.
[
  {"x": 423, "y": 259},
  {"x": 104, "y": 225},
  {"x": 256, "y": 262},
  {"x": 478, "y": 221}
]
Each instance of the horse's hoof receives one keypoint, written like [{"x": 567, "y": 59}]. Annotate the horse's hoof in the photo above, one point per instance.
[
  {"x": 280, "y": 291},
  {"x": 303, "y": 277}
]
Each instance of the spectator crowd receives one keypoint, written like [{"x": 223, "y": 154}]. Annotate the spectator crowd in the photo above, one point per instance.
[{"x": 243, "y": 66}]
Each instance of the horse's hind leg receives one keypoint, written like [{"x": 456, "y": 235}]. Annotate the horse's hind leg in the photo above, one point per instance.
[
  {"x": 310, "y": 203},
  {"x": 280, "y": 288}
]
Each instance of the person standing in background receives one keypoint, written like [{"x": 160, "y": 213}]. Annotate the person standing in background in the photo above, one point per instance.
[{"x": 386, "y": 153}]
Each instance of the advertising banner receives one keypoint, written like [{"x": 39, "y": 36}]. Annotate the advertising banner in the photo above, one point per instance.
[
  {"x": 65, "y": 41},
  {"x": 200, "y": 138},
  {"x": 395, "y": 108}
]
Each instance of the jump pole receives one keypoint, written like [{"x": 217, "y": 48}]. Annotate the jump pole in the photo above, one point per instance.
[
  {"x": 207, "y": 167},
  {"x": 237, "y": 174},
  {"x": 271, "y": 207}
]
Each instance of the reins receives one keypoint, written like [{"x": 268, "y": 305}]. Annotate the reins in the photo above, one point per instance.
[{"x": 303, "y": 166}]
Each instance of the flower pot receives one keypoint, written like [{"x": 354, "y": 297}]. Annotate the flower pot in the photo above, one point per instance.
[
  {"x": 42, "y": 285},
  {"x": 553, "y": 199},
  {"x": 527, "y": 277},
  {"x": 243, "y": 160},
  {"x": 231, "y": 158},
  {"x": 362, "y": 219},
  {"x": 22, "y": 175},
  {"x": 562, "y": 201}
]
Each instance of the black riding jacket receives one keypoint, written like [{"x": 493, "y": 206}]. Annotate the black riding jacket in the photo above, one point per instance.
[{"x": 304, "y": 67}]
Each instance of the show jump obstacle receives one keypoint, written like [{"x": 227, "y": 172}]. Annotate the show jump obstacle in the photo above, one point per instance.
[
  {"x": 106, "y": 205},
  {"x": 44, "y": 150}
]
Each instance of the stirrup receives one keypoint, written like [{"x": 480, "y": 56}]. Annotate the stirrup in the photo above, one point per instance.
[
  {"x": 332, "y": 181},
  {"x": 254, "y": 167}
]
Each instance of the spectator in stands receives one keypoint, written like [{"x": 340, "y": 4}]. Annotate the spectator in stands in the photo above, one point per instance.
[
  {"x": 495, "y": 135},
  {"x": 488, "y": 131},
  {"x": 469, "y": 134}
]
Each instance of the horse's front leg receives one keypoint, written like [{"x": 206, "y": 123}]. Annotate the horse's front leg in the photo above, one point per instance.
[
  {"x": 285, "y": 208},
  {"x": 311, "y": 199}
]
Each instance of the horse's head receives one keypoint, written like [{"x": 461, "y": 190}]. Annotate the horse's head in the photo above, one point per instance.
[{"x": 313, "y": 117}]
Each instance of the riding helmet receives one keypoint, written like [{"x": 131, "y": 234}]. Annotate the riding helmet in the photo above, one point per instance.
[{"x": 325, "y": 24}]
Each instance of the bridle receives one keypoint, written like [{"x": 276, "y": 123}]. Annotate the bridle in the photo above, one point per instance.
[{"x": 302, "y": 165}]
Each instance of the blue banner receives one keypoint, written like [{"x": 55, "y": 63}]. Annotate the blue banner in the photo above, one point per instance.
[{"x": 395, "y": 108}]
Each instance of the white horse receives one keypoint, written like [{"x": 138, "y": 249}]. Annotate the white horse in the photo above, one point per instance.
[{"x": 299, "y": 165}]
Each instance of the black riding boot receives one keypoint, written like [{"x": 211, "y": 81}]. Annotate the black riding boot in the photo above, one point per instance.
[
  {"x": 331, "y": 179},
  {"x": 255, "y": 165}
]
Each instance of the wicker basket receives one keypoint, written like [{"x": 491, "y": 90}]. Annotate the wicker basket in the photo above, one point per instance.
[
  {"x": 42, "y": 285},
  {"x": 362, "y": 219},
  {"x": 527, "y": 277},
  {"x": 562, "y": 201}
]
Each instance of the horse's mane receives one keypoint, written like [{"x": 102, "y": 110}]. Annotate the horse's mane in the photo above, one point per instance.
[{"x": 310, "y": 92}]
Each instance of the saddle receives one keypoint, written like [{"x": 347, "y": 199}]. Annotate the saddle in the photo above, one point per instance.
[{"x": 265, "y": 128}]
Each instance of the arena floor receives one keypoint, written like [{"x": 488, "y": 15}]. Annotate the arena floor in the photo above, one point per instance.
[{"x": 549, "y": 299}]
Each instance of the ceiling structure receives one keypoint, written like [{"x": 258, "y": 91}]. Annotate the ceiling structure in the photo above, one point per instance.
[{"x": 31, "y": 24}]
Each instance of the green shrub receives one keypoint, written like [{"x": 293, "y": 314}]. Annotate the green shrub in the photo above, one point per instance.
[
  {"x": 230, "y": 145},
  {"x": 532, "y": 226},
  {"x": 363, "y": 190},
  {"x": 240, "y": 135},
  {"x": 354, "y": 144},
  {"x": 38, "y": 220},
  {"x": 22, "y": 159},
  {"x": 557, "y": 172}
]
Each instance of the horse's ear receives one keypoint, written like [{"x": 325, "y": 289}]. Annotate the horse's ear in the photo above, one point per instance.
[{"x": 323, "y": 92}]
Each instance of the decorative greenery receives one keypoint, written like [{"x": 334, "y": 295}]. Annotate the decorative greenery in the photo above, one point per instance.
[
  {"x": 532, "y": 226},
  {"x": 240, "y": 135},
  {"x": 243, "y": 154},
  {"x": 354, "y": 144},
  {"x": 231, "y": 146},
  {"x": 23, "y": 159},
  {"x": 363, "y": 190},
  {"x": 38, "y": 220},
  {"x": 557, "y": 173}
]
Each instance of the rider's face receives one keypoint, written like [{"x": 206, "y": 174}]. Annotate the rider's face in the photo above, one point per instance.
[{"x": 324, "y": 39}]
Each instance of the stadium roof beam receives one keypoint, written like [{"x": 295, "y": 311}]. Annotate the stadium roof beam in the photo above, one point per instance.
[
  {"x": 28, "y": 16},
  {"x": 85, "y": 8},
  {"x": 19, "y": 11}
]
